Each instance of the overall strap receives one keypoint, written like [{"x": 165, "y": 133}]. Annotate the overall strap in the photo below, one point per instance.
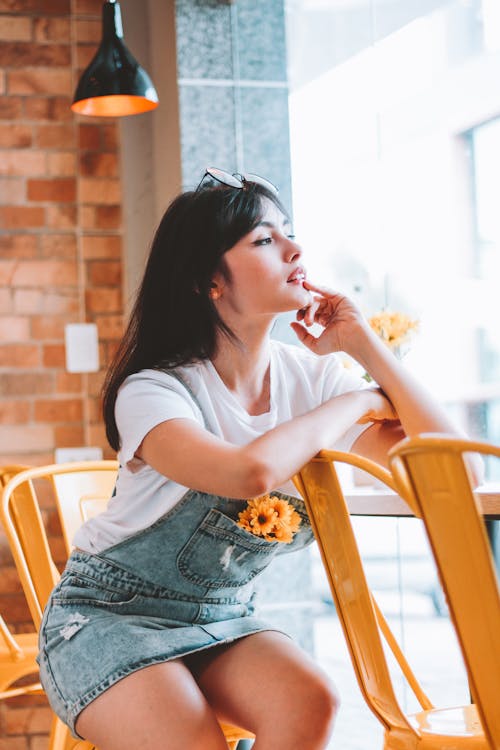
[{"x": 188, "y": 388}]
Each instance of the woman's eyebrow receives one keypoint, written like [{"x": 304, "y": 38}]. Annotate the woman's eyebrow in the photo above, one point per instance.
[{"x": 271, "y": 225}]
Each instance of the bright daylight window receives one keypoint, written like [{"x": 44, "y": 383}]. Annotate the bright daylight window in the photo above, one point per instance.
[{"x": 395, "y": 145}]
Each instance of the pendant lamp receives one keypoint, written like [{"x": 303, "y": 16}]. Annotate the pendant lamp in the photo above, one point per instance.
[{"x": 114, "y": 84}]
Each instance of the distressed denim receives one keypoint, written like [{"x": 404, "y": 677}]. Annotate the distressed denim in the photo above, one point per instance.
[{"x": 184, "y": 584}]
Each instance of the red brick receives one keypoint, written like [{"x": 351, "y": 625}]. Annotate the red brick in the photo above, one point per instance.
[
  {"x": 45, "y": 272},
  {"x": 7, "y": 268},
  {"x": 101, "y": 191},
  {"x": 14, "y": 328},
  {"x": 55, "y": 108},
  {"x": 21, "y": 217},
  {"x": 23, "y": 438},
  {"x": 56, "y": 136},
  {"x": 47, "y": 327},
  {"x": 61, "y": 216},
  {"x": 68, "y": 437},
  {"x": 10, "y": 107},
  {"x": 103, "y": 300},
  {"x": 14, "y": 743},
  {"x": 66, "y": 302},
  {"x": 34, "y": 458},
  {"x": 100, "y": 217},
  {"x": 97, "y": 435},
  {"x": 17, "y": 163},
  {"x": 54, "y": 355},
  {"x": 96, "y": 247},
  {"x": 109, "y": 326},
  {"x": 15, "y": 136},
  {"x": 104, "y": 273},
  {"x": 15, "y": 28},
  {"x": 3, "y": 82},
  {"x": 99, "y": 164},
  {"x": 53, "y": 30},
  {"x": 14, "y": 412},
  {"x": 19, "y": 355},
  {"x": 68, "y": 382},
  {"x": 59, "y": 410},
  {"x": 24, "y": 54},
  {"x": 61, "y": 163},
  {"x": 59, "y": 246},
  {"x": 84, "y": 54},
  {"x": 61, "y": 190},
  {"x": 88, "y": 30},
  {"x": 9, "y": 580},
  {"x": 42, "y": 7},
  {"x": 88, "y": 7},
  {"x": 18, "y": 246},
  {"x": 27, "y": 721},
  {"x": 42, "y": 81},
  {"x": 12, "y": 190},
  {"x": 25, "y": 384},
  {"x": 28, "y": 301},
  {"x": 110, "y": 137},
  {"x": 95, "y": 381},
  {"x": 6, "y": 302},
  {"x": 89, "y": 136}
]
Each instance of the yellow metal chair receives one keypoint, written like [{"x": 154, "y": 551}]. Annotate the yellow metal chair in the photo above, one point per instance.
[
  {"x": 429, "y": 729},
  {"x": 17, "y": 652},
  {"x": 76, "y": 485},
  {"x": 431, "y": 471}
]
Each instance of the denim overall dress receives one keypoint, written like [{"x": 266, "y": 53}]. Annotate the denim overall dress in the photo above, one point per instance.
[{"x": 182, "y": 585}]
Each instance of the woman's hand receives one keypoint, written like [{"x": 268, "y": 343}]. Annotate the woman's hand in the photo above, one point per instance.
[{"x": 340, "y": 318}]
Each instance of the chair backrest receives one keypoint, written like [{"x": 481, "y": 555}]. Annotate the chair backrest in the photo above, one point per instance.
[
  {"x": 432, "y": 470},
  {"x": 83, "y": 486},
  {"x": 23, "y": 523},
  {"x": 357, "y": 611}
]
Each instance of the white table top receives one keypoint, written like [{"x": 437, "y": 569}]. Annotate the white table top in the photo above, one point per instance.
[{"x": 371, "y": 501}]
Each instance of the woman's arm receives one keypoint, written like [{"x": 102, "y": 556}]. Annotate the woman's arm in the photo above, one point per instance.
[
  {"x": 344, "y": 329},
  {"x": 190, "y": 455}
]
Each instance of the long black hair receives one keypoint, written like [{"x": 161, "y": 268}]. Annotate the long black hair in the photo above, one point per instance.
[{"x": 174, "y": 321}]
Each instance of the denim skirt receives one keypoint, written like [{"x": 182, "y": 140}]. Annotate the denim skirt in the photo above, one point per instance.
[{"x": 182, "y": 585}]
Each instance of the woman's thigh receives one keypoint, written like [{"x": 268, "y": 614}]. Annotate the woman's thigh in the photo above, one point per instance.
[
  {"x": 268, "y": 685},
  {"x": 160, "y": 706}
]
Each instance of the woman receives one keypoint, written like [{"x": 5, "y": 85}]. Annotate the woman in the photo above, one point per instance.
[{"x": 150, "y": 636}]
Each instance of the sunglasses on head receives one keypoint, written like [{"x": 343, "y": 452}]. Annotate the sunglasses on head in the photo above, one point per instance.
[{"x": 236, "y": 180}]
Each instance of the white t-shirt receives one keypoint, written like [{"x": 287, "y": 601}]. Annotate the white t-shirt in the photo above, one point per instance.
[{"x": 300, "y": 381}]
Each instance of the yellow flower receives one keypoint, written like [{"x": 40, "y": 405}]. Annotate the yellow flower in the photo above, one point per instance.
[
  {"x": 262, "y": 515},
  {"x": 270, "y": 517},
  {"x": 394, "y": 328}
]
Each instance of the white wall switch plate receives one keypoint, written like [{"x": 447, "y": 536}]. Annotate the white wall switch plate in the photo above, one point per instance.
[
  {"x": 82, "y": 453},
  {"x": 82, "y": 348}
]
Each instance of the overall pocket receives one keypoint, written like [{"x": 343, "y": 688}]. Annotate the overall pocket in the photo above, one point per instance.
[
  {"x": 78, "y": 589},
  {"x": 220, "y": 554}
]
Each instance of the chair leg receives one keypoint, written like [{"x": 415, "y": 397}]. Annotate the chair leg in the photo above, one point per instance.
[{"x": 62, "y": 739}]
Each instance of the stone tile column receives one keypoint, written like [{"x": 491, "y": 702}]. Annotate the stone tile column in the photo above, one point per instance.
[{"x": 233, "y": 102}]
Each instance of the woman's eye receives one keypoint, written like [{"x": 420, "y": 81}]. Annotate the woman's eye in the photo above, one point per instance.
[{"x": 263, "y": 241}]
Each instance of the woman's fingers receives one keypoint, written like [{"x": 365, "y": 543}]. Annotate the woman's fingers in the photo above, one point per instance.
[
  {"x": 304, "y": 336},
  {"x": 323, "y": 290}
]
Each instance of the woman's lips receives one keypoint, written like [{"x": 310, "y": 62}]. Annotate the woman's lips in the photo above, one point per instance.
[{"x": 297, "y": 277}]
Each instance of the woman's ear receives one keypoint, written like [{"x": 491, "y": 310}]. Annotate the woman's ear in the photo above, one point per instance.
[{"x": 216, "y": 287}]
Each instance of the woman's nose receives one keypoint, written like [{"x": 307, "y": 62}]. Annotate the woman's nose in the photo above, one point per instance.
[{"x": 293, "y": 251}]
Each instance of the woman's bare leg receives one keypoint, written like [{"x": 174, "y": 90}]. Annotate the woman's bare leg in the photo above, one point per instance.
[
  {"x": 157, "y": 708},
  {"x": 268, "y": 685}
]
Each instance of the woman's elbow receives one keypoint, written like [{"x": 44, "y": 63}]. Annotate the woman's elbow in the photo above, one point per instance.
[{"x": 258, "y": 478}]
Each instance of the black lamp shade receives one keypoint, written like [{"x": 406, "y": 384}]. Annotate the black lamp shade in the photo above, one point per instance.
[{"x": 114, "y": 84}]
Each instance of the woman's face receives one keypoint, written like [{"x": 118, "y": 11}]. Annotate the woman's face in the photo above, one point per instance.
[{"x": 266, "y": 274}]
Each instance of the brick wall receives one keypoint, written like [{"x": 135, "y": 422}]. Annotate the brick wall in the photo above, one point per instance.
[{"x": 60, "y": 262}]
